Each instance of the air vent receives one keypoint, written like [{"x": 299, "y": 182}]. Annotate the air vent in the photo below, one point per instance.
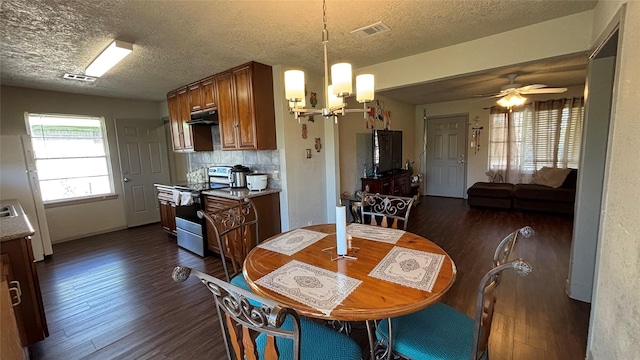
[
  {"x": 371, "y": 30},
  {"x": 79, "y": 77}
]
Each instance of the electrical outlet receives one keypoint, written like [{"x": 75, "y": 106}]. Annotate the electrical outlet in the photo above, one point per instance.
[
  {"x": 310, "y": 223},
  {"x": 276, "y": 175}
]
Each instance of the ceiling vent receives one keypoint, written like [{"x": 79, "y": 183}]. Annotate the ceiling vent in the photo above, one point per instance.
[
  {"x": 79, "y": 77},
  {"x": 371, "y": 30}
]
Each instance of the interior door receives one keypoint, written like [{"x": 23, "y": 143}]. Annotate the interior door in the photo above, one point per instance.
[
  {"x": 446, "y": 156},
  {"x": 142, "y": 150}
]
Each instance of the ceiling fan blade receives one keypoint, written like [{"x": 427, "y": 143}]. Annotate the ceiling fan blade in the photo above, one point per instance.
[
  {"x": 488, "y": 97},
  {"x": 532, "y": 86},
  {"x": 544, "y": 91}
]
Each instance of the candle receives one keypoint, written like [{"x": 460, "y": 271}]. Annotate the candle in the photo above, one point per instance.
[{"x": 341, "y": 230}]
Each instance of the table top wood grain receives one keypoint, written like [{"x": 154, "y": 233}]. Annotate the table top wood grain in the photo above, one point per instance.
[{"x": 374, "y": 298}]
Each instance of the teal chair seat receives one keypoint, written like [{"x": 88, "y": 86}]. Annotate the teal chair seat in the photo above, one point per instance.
[
  {"x": 437, "y": 332},
  {"x": 317, "y": 342}
]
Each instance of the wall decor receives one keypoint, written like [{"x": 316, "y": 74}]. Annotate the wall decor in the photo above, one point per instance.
[
  {"x": 318, "y": 145},
  {"x": 308, "y": 151},
  {"x": 313, "y": 99},
  {"x": 304, "y": 131}
]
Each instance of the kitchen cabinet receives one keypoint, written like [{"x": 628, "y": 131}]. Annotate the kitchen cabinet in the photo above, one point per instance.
[
  {"x": 267, "y": 207},
  {"x": 29, "y": 313},
  {"x": 245, "y": 107},
  {"x": 202, "y": 95},
  {"x": 398, "y": 184},
  {"x": 167, "y": 209},
  {"x": 185, "y": 137},
  {"x": 10, "y": 341}
]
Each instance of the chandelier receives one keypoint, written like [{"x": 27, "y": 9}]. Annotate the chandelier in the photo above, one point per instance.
[{"x": 336, "y": 93}]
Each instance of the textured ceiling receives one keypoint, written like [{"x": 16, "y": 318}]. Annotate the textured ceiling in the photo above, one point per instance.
[{"x": 176, "y": 42}]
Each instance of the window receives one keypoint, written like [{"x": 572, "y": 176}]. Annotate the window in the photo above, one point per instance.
[
  {"x": 549, "y": 133},
  {"x": 71, "y": 156}
]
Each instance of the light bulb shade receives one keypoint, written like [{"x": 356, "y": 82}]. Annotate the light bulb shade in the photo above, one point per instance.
[
  {"x": 364, "y": 88},
  {"x": 333, "y": 101},
  {"x": 341, "y": 79},
  {"x": 294, "y": 85},
  {"x": 112, "y": 55},
  {"x": 512, "y": 100}
]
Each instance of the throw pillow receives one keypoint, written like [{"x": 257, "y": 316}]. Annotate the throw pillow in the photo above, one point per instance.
[{"x": 551, "y": 177}]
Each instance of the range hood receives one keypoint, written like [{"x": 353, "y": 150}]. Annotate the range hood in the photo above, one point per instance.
[{"x": 206, "y": 117}]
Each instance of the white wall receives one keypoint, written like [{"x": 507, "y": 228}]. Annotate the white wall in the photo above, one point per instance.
[
  {"x": 615, "y": 316},
  {"x": 477, "y": 163},
  {"x": 303, "y": 199},
  {"x": 75, "y": 221}
]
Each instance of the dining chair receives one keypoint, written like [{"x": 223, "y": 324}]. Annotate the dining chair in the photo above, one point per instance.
[
  {"x": 442, "y": 332},
  {"x": 268, "y": 331},
  {"x": 235, "y": 230},
  {"x": 385, "y": 210}
]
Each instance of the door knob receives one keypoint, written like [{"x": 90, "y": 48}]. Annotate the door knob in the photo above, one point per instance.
[
  {"x": 461, "y": 161},
  {"x": 125, "y": 179}
]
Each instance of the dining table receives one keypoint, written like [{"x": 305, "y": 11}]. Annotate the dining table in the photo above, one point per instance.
[{"x": 386, "y": 273}]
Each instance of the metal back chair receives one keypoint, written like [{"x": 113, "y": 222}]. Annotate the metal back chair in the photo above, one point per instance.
[
  {"x": 385, "y": 210},
  {"x": 236, "y": 231},
  {"x": 442, "y": 332},
  {"x": 254, "y": 327}
]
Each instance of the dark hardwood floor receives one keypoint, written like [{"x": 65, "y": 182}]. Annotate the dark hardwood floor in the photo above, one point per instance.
[{"x": 111, "y": 296}]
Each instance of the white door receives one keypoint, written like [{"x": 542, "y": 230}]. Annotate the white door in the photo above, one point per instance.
[
  {"x": 446, "y": 154},
  {"x": 142, "y": 150}
]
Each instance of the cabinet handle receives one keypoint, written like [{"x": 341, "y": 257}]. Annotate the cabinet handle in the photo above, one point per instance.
[{"x": 18, "y": 297}]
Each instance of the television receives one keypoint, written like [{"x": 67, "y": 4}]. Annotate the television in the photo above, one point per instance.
[{"x": 387, "y": 150}]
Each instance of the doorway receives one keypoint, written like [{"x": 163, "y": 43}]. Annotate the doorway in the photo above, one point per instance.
[
  {"x": 446, "y": 155},
  {"x": 142, "y": 150}
]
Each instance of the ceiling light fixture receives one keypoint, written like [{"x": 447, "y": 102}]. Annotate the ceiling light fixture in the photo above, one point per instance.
[
  {"x": 512, "y": 100},
  {"x": 336, "y": 93},
  {"x": 112, "y": 55}
]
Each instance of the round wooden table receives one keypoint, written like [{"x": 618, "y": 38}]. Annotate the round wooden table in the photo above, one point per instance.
[{"x": 374, "y": 298}]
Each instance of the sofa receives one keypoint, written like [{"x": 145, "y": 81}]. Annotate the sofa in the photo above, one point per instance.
[{"x": 526, "y": 197}]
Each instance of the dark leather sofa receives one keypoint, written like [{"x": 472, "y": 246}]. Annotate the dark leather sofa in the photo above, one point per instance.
[{"x": 527, "y": 197}]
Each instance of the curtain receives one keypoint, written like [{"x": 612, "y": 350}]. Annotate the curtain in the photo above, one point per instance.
[{"x": 522, "y": 141}]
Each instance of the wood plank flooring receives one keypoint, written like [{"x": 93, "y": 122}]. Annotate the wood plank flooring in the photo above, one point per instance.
[{"x": 111, "y": 296}]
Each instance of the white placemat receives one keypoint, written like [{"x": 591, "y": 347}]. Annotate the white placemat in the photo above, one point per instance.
[
  {"x": 313, "y": 286},
  {"x": 375, "y": 233},
  {"x": 292, "y": 242},
  {"x": 413, "y": 268}
]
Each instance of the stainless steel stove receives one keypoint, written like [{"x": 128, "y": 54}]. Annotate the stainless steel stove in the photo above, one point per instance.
[{"x": 191, "y": 229}]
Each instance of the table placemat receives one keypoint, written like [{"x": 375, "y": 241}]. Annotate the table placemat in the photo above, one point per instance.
[
  {"x": 413, "y": 268},
  {"x": 292, "y": 242},
  {"x": 375, "y": 233},
  {"x": 313, "y": 286}
]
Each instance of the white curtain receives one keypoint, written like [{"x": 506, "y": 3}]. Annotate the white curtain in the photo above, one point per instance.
[{"x": 547, "y": 133}]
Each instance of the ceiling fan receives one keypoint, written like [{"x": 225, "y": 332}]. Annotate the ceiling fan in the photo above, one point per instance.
[{"x": 511, "y": 94}]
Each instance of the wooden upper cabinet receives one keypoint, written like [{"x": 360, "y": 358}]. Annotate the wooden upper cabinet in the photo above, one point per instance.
[
  {"x": 208, "y": 93},
  {"x": 195, "y": 97},
  {"x": 202, "y": 95},
  {"x": 174, "y": 120},
  {"x": 186, "y": 137},
  {"x": 226, "y": 110},
  {"x": 246, "y": 109}
]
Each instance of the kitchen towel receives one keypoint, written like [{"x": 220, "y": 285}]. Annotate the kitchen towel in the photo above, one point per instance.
[
  {"x": 185, "y": 198},
  {"x": 176, "y": 197}
]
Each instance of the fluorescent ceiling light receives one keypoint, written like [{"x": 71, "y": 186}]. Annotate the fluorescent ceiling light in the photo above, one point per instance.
[{"x": 115, "y": 52}]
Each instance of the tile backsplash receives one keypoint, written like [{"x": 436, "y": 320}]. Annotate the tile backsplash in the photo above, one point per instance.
[{"x": 262, "y": 161}]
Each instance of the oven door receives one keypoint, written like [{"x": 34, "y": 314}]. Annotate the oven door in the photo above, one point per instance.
[{"x": 189, "y": 228}]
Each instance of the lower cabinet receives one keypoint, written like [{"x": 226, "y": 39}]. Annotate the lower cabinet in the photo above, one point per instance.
[
  {"x": 10, "y": 341},
  {"x": 167, "y": 209},
  {"x": 20, "y": 270},
  {"x": 398, "y": 184},
  {"x": 267, "y": 207}
]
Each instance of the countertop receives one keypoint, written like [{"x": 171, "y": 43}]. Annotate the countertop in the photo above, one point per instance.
[
  {"x": 14, "y": 227},
  {"x": 240, "y": 193}
]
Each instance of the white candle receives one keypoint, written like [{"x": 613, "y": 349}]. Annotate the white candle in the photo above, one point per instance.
[{"x": 341, "y": 230}]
